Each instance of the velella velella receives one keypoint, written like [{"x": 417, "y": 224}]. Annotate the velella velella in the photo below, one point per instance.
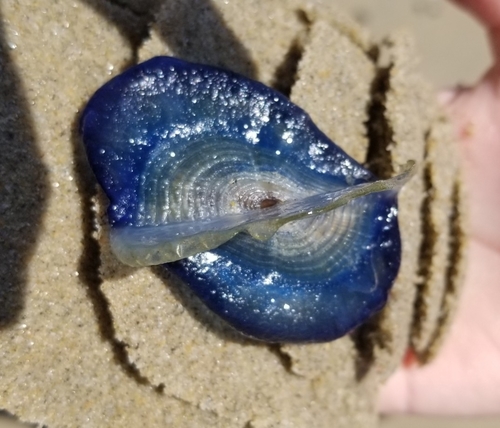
[{"x": 233, "y": 188}]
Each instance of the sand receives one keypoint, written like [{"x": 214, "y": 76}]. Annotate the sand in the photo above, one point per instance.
[{"x": 86, "y": 341}]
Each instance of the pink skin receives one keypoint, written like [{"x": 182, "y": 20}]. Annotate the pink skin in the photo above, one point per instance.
[{"x": 464, "y": 379}]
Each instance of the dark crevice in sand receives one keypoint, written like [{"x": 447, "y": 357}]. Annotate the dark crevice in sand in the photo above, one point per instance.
[
  {"x": 24, "y": 187},
  {"x": 285, "y": 74},
  {"x": 371, "y": 335},
  {"x": 90, "y": 261},
  {"x": 9, "y": 418},
  {"x": 133, "y": 25},
  {"x": 427, "y": 248},
  {"x": 366, "y": 339},
  {"x": 379, "y": 132},
  {"x": 283, "y": 357},
  {"x": 145, "y": 12},
  {"x": 454, "y": 264},
  {"x": 457, "y": 244}
]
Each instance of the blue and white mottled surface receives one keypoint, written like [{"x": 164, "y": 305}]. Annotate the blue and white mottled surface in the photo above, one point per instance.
[{"x": 175, "y": 143}]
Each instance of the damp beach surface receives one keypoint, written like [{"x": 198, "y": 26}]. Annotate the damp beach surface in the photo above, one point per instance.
[{"x": 87, "y": 341}]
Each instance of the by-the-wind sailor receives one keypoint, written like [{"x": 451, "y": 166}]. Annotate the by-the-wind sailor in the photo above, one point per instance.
[{"x": 272, "y": 225}]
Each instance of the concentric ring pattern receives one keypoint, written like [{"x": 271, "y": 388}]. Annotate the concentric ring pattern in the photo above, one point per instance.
[{"x": 175, "y": 143}]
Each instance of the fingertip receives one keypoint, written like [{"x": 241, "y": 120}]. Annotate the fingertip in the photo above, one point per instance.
[
  {"x": 487, "y": 11},
  {"x": 410, "y": 358},
  {"x": 447, "y": 96},
  {"x": 394, "y": 394}
]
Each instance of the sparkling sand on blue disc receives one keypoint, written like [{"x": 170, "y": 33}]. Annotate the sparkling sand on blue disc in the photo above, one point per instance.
[{"x": 185, "y": 152}]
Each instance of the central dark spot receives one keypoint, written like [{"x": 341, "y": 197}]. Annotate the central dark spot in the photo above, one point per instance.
[{"x": 268, "y": 202}]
